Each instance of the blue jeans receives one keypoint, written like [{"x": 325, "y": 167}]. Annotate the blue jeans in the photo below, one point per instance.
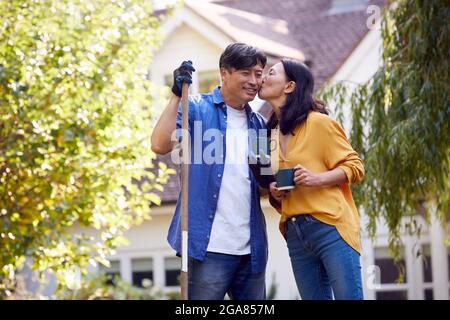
[
  {"x": 323, "y": 263},
  {"x": 219, "y": 274}
]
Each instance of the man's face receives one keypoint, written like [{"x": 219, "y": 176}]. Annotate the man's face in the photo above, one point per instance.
[{"x": 242, "y": 84}]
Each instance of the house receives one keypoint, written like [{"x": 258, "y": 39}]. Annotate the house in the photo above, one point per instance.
[{"x": 332, "y": 37}]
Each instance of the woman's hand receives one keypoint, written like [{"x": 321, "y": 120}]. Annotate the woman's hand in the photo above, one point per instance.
[
  {"x": 275, "y": 193},
  {"x": 305, "y": 178}
]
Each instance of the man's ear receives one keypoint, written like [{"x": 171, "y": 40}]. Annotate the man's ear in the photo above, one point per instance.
[
  {"x": 223, "y": 73},
  {"x": 289, "y": 87}
]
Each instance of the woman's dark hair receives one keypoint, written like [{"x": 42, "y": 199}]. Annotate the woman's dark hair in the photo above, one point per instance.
[
  {"x": 241, "y": 56},
  {"x": 300, "y": 101}
]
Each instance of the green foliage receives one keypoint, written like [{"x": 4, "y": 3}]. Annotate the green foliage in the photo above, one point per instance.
[
  {"x": 75, "y": 105},
  {"x": 400, "y": 119},
  {"x": 96, "y": 287}
]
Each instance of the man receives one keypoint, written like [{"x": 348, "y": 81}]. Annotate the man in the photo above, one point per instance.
[{"x": 227, "y": 232}]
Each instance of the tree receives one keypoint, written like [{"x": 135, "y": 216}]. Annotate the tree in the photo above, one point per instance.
[
  {"x": 400, "y": 119},
  {"x": 75, "y": 105}
]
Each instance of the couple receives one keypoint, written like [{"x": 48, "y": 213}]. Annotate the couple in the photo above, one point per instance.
[{"x": 227, "y": 230}]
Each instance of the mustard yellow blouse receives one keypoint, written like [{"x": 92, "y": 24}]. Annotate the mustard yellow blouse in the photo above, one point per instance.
[{"x": 320, "y": 144}]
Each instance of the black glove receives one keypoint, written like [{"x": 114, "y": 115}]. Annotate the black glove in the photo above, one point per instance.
[{"x": 182, "y": 74}]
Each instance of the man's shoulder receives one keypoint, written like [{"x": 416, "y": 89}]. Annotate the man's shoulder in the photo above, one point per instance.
[
  {"x": 200, "y": 97},
  {"x": 201, "y": 100}
]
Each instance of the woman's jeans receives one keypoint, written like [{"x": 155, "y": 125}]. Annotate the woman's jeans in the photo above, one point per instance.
[
  {"x": 323, "y": 263},
  {"x": 219, "y": 274}
]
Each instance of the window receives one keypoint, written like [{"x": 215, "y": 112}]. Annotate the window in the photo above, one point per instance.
[
  {"x": 168, "y": 81},
  {"x": 112, "y": 272},
  {"x": 392, "y": 295},
  {"x": 427, "y": 272},
  {"x": 426, "y": 263},
  {"x": 172, "y": 267},
  {"x": 389, "y": 272},
  {"x": 208, "y": 80},
  {"x": 341, "y": 6},
  {"x": 448, "y": 263},
  {"x": 142, "y": 269},
  {"x": 448, "y": 266},
  {"x": 428, "y": 294},
  {"x": 389, "y": 288}
]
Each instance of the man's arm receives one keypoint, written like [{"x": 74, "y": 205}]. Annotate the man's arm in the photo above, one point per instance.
[{"x": 161, "y": 142}]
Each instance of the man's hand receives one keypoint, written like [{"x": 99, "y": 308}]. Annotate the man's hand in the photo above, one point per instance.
[
  {"x": 275, "y": 193},
  {"x": 182, "y": 74}
]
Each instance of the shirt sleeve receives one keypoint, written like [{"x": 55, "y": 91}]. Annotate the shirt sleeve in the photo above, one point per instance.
[{"x": 340, "y": 154}]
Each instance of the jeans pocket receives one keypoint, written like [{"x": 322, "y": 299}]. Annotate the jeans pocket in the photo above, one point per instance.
[{"x": 289, "y": 231}]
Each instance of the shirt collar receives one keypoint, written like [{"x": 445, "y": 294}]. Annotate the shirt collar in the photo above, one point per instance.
[{"x": 217, "y": 96}]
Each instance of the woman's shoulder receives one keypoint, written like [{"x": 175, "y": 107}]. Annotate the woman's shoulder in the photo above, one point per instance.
[
  {"x": 318, "y": 118},
  {"x": 322, "y": 121}
]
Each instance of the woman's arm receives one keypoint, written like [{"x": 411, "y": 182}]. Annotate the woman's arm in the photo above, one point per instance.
[
  {"x": 340, "y": 154},
  {"x": 305, "y": 178}
]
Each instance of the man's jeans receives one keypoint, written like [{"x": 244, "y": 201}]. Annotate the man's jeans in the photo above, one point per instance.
[
  {"x": 323, "y": 263},
  {"x": 219, "y": 274}
]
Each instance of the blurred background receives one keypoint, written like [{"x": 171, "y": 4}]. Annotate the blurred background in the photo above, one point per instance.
[{"x": 85, "y": 205}]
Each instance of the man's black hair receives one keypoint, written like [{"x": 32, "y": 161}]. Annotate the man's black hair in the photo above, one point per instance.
[{"x": 241, "y": 56}]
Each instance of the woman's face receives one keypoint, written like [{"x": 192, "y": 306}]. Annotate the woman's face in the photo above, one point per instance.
[{"x": 274, "y": 83}]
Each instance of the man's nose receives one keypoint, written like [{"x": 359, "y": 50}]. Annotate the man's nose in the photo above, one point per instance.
[{"x": 253, "y": 79}]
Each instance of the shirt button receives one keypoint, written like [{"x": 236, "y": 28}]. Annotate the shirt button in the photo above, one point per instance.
[
  {"x": 219, "y": 175},
  {"x": 215, "y": 196},
  {"x": 211, "y": 216},
  {"x": 293, "y": 219}
]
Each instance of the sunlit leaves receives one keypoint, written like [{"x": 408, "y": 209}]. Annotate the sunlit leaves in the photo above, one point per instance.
[{"x": 74, "y": 128}]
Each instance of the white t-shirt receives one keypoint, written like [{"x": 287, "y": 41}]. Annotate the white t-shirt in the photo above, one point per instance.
[{"x": 230, "y": 232}]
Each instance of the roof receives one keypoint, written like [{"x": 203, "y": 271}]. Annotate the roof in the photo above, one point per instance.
[
  {"x": 268, "y": 34},
  {"x": 327, "y": 40},
  {"x": 296, "y": 27},
  {"x": 173, "y": 186}
]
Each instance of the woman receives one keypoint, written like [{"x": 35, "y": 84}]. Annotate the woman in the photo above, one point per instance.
[{"x": 319, "y": 219}]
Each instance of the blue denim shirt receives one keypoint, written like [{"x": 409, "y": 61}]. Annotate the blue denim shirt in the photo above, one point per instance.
[{"x": 205, "y": 180}]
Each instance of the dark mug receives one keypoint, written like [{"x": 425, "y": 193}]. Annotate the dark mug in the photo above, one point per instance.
[{"x": 285, "y": 179}]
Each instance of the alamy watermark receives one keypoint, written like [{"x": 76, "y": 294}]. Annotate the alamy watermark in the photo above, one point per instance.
[
  {"x": 374, "y": 18},
  {"x": 245, "y": 146}
]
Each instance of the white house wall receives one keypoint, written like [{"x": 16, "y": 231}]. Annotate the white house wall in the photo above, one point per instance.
[{"x": 184, "y": 43}]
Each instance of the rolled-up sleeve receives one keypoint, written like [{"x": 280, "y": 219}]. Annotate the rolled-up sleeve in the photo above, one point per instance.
[{"x": 340, "y": 154}]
